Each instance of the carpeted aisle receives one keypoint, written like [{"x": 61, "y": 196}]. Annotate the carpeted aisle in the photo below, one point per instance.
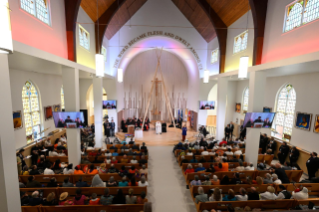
[{"x": 167, "y": 188}]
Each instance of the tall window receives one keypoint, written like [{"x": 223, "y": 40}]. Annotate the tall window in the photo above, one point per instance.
[
  {"x": 37, "y": 8},
  {"x": 62, "y": 99},
  {"x": 84, "y": 38},
  {"x": 31, "y": 108},
  {"x": 245, "y": 99},
  {"x": 240, "y": 42},
  {"x": 301, "y": 12},
  {"x": 104, "y": 53},
  {"x": 285, "y": 108},
  {"x": 214, "y": 56}
]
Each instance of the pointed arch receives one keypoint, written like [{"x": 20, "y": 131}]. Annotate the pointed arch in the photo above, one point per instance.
[
  {"x": 62, "y": 99},
  {"x": 245, "y": 99}
]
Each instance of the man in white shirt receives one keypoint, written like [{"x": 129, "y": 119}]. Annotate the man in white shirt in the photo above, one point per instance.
[
  {"x": 238, "y": 152},
  {"x": 133, "y": 160},
  {"x": 53, "y": 153},
  {"x": 60, "y": 153},
  {"x": 275, "y": 179},
  {"x": 48, "y": 171},
  {"x": 283, "y": 194},
  {"x": 63, "y": 139},
  {"x": 250, "y": 167},
  {"x": 229, "y": 152},
  {"x": 269, "y": 194},
  {"x": 143, "y": 182},
  {"x": 205, "y": 152},
  {"x": 242, "y": 195}
]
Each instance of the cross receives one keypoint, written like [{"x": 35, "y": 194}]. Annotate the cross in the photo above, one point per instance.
[{"x": 156, "y": 85}]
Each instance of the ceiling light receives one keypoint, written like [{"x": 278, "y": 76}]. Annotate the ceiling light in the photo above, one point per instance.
[
  {"x": 243, "y": 67},
  {"x": 5, "y": 26},
  {"x": 206, "y": 76}
]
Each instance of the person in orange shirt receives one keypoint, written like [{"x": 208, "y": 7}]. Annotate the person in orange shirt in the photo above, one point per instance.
[
  {"x": 222, "y": 167},
  {"x": 92, "y": 170},
  {"x": 124, "y": 159},
  {"x": 78, "y": 170},
  {"x": 94, "y": 200},
  {"x": 215, "y": 180}
]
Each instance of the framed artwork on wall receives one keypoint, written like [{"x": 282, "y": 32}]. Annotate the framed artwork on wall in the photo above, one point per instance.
[
  {"x": 56, "y": 108},
  {"x": 303, "y": 121},
  {"x": 17, "y": 120},
  {"x": 267, "y": 110},
  {"x": 238, "y": 107},
  {"x": 316, "y": 125},
  {"x": 48, "y": 112}
]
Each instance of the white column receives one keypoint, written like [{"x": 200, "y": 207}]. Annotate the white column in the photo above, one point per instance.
[
  {"x": 70, "y": 78},
  {"x": 222, "y": 85},
  {"x": 257, "y": 82},
  {"x": 98, "y": 110},
  {"x": 252, "y": 145},
  {"x": 8, "y": 163}
]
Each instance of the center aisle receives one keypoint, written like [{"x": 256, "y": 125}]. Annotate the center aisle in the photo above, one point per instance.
[{"x": 167, "y": 190}]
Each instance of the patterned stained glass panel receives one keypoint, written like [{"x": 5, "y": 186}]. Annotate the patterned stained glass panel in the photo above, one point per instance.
[
  {"x": 246, "y": 99},
  {"x": 240, "y": 42},
  {"x": 84, "y": 38},
  {"x": 43, "y": 11},
  {"x": 104, "y": 53},
  {"x": 62, "y": 98},
  {"x": 311, "y": 11},
  {"x": 28, "y": 5},
  {"x": 214, "y": 56},
  {"x": 294, "y": 15}
]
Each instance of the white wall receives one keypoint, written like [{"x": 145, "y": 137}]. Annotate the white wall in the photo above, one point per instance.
[
  {"x": 29, "y": 30},
  {"x": 279, "y": 45},
  {"x": 230, "y": 101},
  {"x": 49, "y": 88},
  {"x": 232, "y": 60},
  {"x": 84, "y": 56},
  {"x": 241, "y": 85},
  {"x": 212, "y": 67}
]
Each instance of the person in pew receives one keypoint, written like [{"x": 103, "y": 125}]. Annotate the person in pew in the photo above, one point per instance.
[
  {"x": 97, "y": 181},
  {"x": 115, "y": 154},
  {"x": 230, "y": 196},
  {"x": 25, "y": 170},
  {"x": 107, "y": 153},
  {"x": 283, "y": 193},
  {"x": 238, "y": 151},
  {"x": 41, "y": 165},
  {"x": 35, "y": 199},
  {"x": 135, "y": 147},
  {"x": 240, "y": 168},
  {"x": 21, "y": 184},
  {"x": 216, "y": 195},
  {"x": 133, "y": 160},
  {"x": 183, "y": 160},
  {"x": 302, "y": 194},
  {"x": 267, "y": 179},
  {"x": 130, "y": 199},
  {"x": 64, "y": 199},
  {"x": 207, "y": 179},
  {"x": 24, "y": 198},
  {"x": 122, "y": 153},
  {"x": 107, "y": 160},
  {"x": 200, "y": 168},
  {"x": 196, "y": 181},
  {"x": 143, "y": 170},
  {"x": 114, "y": 147},
  {"x": 106, "y": 199},
  {"x": 201, "y": 197},
  {"x": 92, "y": 170},
  {"x": 133, "y": 182},
  {"x": 275, "y": 179},
  {"x": 249, "y": 181},
  {"x": 114, "y": 161},
  {"x": 253, "y": 194},
  {"x": 229, "y": 152},
  {"x": 193, "y": 160},
  {"x": 124, "y": 182},
  {"x": 312, "y": 165},
  {"x": 189, "y": 169},
  {"x": 124, "y": 146},
  {"x": 111, "y": 182},
  {"x": 112, "y": 169},
  {"x": 202, "y": 159},
  {"x": 269, "y": 194},
  {"x": 189, "y": 153},
  {"x": 123, "y": 171},
  {"x": 93, "y": 153},
  {"x": 57, "y": 166},
  {"x": 234, "y": 159},
  {"x": 211, "y": 168},
  {"x": 49, "y": 170},
  {"x": 235, "y": 180},
  {"x": 269, "y": 152},
  {"x": 81, "y": 183},
  {"x": 102, "y": 169},
  {"x": 78, "y": 170},
  {"x": 50, "y": 200},
  {"x": 94, "y": 200},
  {"x": 143, "y": 182},
  {"x": 280, "y": 173},
  {"x": 79, "y": 198},
  {"x": 52, "y": 183},
  {"x": 215, "y": 180},
  {"x": 283, "y": 152},
  {"x": 288, "y": 166},
  {"x": 119, "y": 198},
  {"x": 124, "y": 159},
  {"x": 68, "y": 169},
  {"x": 141, "y": 199},
  {"x": 242, "y": 195},
  {"x": 224, "y": 180},
  {"x": 259, "y": 180},
  {"x": 222, "y": 167},
  {"x": 142, "y": 161},
  {"x": 67, "y": 183}
]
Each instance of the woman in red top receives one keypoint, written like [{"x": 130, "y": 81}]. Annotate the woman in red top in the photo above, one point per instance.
[
  {"x": 114, "y": 161},
  {"x": 79, "y": 199},
  {"x": 92, "y": 170},
  {"x": 189, "y": 169}
]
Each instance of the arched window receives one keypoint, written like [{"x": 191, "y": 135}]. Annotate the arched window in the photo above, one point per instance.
[
  {"x": 62, "y": 99},
  {"x": 294, "y": 15},
  {"x": 245, "y": 99},
  {"x": 38, "y": 8},
  {"x": 31, "y": 108},
  {"x": 285, "y": 110},
  {"x": 311, "y": 11}
]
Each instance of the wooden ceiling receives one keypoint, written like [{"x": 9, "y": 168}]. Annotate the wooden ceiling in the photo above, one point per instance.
[
  {"x": 229, "y": 10},
  {"x": 90, "y": 7},
  {"x": 197, "y": 17}
]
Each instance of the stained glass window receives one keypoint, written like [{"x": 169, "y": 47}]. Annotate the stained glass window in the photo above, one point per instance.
[
  {"x": 84, "y": 38},
  {"x": 31, "y": 108},
  {"x": 62, "y": 98},
  {"x": 285, "y": 108},
  {"x": 245, "y": 99},
  {"x": 104, "y": 53},
  {"x": 214, "y": 56},
  {"x": 38, "y": 8},
  {"x": 301, "y": 12},
  {"x": 240, "y": 42}
]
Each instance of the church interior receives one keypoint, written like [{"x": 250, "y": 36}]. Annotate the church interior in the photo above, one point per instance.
[{"x": 159, "y": 105}]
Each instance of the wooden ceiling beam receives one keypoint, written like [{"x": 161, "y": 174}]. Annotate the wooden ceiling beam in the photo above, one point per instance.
[
  {"x": 221, "y": 32},
  {"x": 71, "y": 14},
  {"x": 259, "y": 13}
]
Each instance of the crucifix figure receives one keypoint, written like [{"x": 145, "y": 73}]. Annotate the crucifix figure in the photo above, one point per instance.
[{"x": 156, "y": 85}]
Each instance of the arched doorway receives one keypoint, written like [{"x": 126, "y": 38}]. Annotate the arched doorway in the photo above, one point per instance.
[{"x": 90, "y": 104}]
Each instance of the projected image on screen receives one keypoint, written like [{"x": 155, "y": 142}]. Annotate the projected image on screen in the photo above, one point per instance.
[
  {"x": 109, "y": 104},
  {"x": 68, "y": 119},
  {"x": 207, "y": 105},
  {"x": 259, "y": 120}
]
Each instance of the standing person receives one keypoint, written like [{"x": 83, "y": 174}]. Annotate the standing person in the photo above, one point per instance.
[
  {"x": 184, "y": 132},
  {"x": 227, "y": 132},
  {"x": 312, "y": 165},
  {"x": 283, "y": 152},
  {"x": 35, "y": 153},
  {"x": 231, "y": 129},
  {"x": 294, "y": 155},
  {"x": 112, "y": 128},
  {"x": 106, "y": 126}
]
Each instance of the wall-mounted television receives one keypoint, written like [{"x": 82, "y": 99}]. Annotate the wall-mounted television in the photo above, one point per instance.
[
  {"x": 207, "y": 105},
  {"x": 109, "y": 104},
  {"x": 259, "y": 120},
  {"x": 69, "y": 119}
]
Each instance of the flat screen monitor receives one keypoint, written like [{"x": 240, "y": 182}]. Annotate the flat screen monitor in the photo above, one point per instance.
[
  {"x": 109, "y": 104},
  {"x": 207, "y": 105},
  {"x": 259, "y": 120},
  {"x": 69, "y": 119}
]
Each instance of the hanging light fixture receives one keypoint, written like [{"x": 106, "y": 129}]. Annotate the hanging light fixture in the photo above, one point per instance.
[
  {"x": 99, "y": 58},
  {"x": 5, "y": 26},
  {"x": 243, "y": 67},
  {"x": 120, "y": 75},
  {"x": 206, "y": 76}
]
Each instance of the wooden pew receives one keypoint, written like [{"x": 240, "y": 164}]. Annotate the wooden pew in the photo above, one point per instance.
[
  {"x": 306, "y": 201},
  {"x": 31, "y": 209},
  {"x": 232, "y": 165},
  {"x": 46, "y": 191},
  {"x": 105, "y": 177},
  {"x": 117, "y": 166},
  {"x": 265, "y": 159},
  {"x": 220, "y": 175},
  {"x": 313, "y": 188},
  {"x": 108, "y": 146},
  {"x": 206, "y": 157},
  {"x": 178, "y": 151},
  {"x": 293, "y": 175},
  {"x": 100, "y": 191},
  {"x": 264, "y": 204},
  {"x": 65, "y": 159},
  {"x": 93, "y": 208}
]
